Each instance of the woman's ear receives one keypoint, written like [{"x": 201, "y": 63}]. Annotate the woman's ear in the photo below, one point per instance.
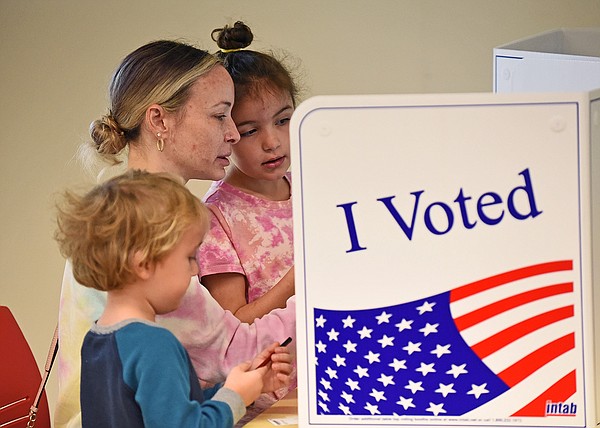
[
  {"x": 155, "y": 119},
  {"x": 141, "y": 267}
]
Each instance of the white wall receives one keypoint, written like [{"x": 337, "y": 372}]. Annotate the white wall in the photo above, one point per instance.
[{"x": 56, "y": 58}]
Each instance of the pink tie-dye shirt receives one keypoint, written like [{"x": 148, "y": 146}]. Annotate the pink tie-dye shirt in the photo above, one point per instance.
[{"x": 249, "y": 235}]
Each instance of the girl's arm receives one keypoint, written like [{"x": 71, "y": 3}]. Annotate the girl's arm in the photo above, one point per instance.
[{"x": 229, "y": 289}]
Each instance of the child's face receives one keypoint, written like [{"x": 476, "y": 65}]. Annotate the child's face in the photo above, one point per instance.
[
  {"x": 173, "y": 273},
  {"x": 263, "y": 121}
]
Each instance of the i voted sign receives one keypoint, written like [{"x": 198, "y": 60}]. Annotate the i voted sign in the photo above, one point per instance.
[
  {"x": 443, "y": 258},
  {"x": 448, "y": 214}
]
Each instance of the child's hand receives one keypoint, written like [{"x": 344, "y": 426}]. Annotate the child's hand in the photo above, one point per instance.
[
  {"x": 247, "y": 383},
  {"x": 276, "y": 374}
]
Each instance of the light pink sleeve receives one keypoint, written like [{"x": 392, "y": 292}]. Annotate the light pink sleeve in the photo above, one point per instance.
[{"x": 216, "y": 340}]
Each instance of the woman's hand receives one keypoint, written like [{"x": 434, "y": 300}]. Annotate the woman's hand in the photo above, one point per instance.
[
  {"x": 278, "y": 367},
  {"x": 269, "y": 371}
]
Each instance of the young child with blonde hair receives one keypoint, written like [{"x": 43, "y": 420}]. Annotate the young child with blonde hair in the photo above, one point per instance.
[{"x": 136, "y": 237}]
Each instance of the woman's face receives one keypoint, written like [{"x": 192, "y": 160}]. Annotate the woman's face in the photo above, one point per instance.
[{"x": 200, "y": 140}]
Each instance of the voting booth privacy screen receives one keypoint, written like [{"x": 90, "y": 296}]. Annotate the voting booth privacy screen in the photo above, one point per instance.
[
  {"x": 443, "y": 259},
  {"x": 564, "y": 59}
]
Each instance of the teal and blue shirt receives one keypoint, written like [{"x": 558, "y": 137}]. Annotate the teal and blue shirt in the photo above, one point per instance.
[{"x": 137, "y": 374}]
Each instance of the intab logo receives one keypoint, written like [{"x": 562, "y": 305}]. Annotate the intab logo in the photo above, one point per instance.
[{"x": 560, "y": 409}]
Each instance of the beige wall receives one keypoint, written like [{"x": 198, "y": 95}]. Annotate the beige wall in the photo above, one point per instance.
[{"x": 57, "y": 56}]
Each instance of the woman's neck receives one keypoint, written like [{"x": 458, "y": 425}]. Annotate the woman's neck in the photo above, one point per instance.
[{"x": 149, "y": 161}]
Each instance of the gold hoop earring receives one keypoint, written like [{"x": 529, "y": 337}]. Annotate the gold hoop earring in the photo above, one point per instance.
[{"x": 160, "y": 143}]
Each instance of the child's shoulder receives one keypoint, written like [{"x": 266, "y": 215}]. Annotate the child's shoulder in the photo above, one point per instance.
[
  {"x": 145, "y": 329},
  {"x": 149, "y": 338},
  {"x": 222, "y": 191},
  {"x": 136, "y": 331}
]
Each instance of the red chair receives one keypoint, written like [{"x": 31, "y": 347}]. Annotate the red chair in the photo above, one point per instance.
[{"x": 20, "y": 378}]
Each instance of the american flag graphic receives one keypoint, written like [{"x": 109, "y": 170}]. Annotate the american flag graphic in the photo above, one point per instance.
[{"x": 450, "y": 353}]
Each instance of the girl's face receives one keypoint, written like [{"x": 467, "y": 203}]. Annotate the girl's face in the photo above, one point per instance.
[
  {"x": 201, "y": 136},
  {"x": 172, "y": 275},
  {"x": 263, "y": 121}
]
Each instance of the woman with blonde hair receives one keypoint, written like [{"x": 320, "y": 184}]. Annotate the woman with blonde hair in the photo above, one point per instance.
[{"x": 170, "y": 111}]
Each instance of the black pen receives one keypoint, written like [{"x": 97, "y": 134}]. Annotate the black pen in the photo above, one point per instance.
[{"x": 286, "y": 342}]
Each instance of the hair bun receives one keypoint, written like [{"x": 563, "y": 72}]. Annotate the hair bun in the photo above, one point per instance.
[
  {"x": 109, "y": 121},
  {"x": 107, "y": 136},
  {"x": 238, "y": 36}
]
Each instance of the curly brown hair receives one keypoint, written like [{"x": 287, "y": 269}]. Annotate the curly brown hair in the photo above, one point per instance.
[{"x": 134, "y": 213}]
